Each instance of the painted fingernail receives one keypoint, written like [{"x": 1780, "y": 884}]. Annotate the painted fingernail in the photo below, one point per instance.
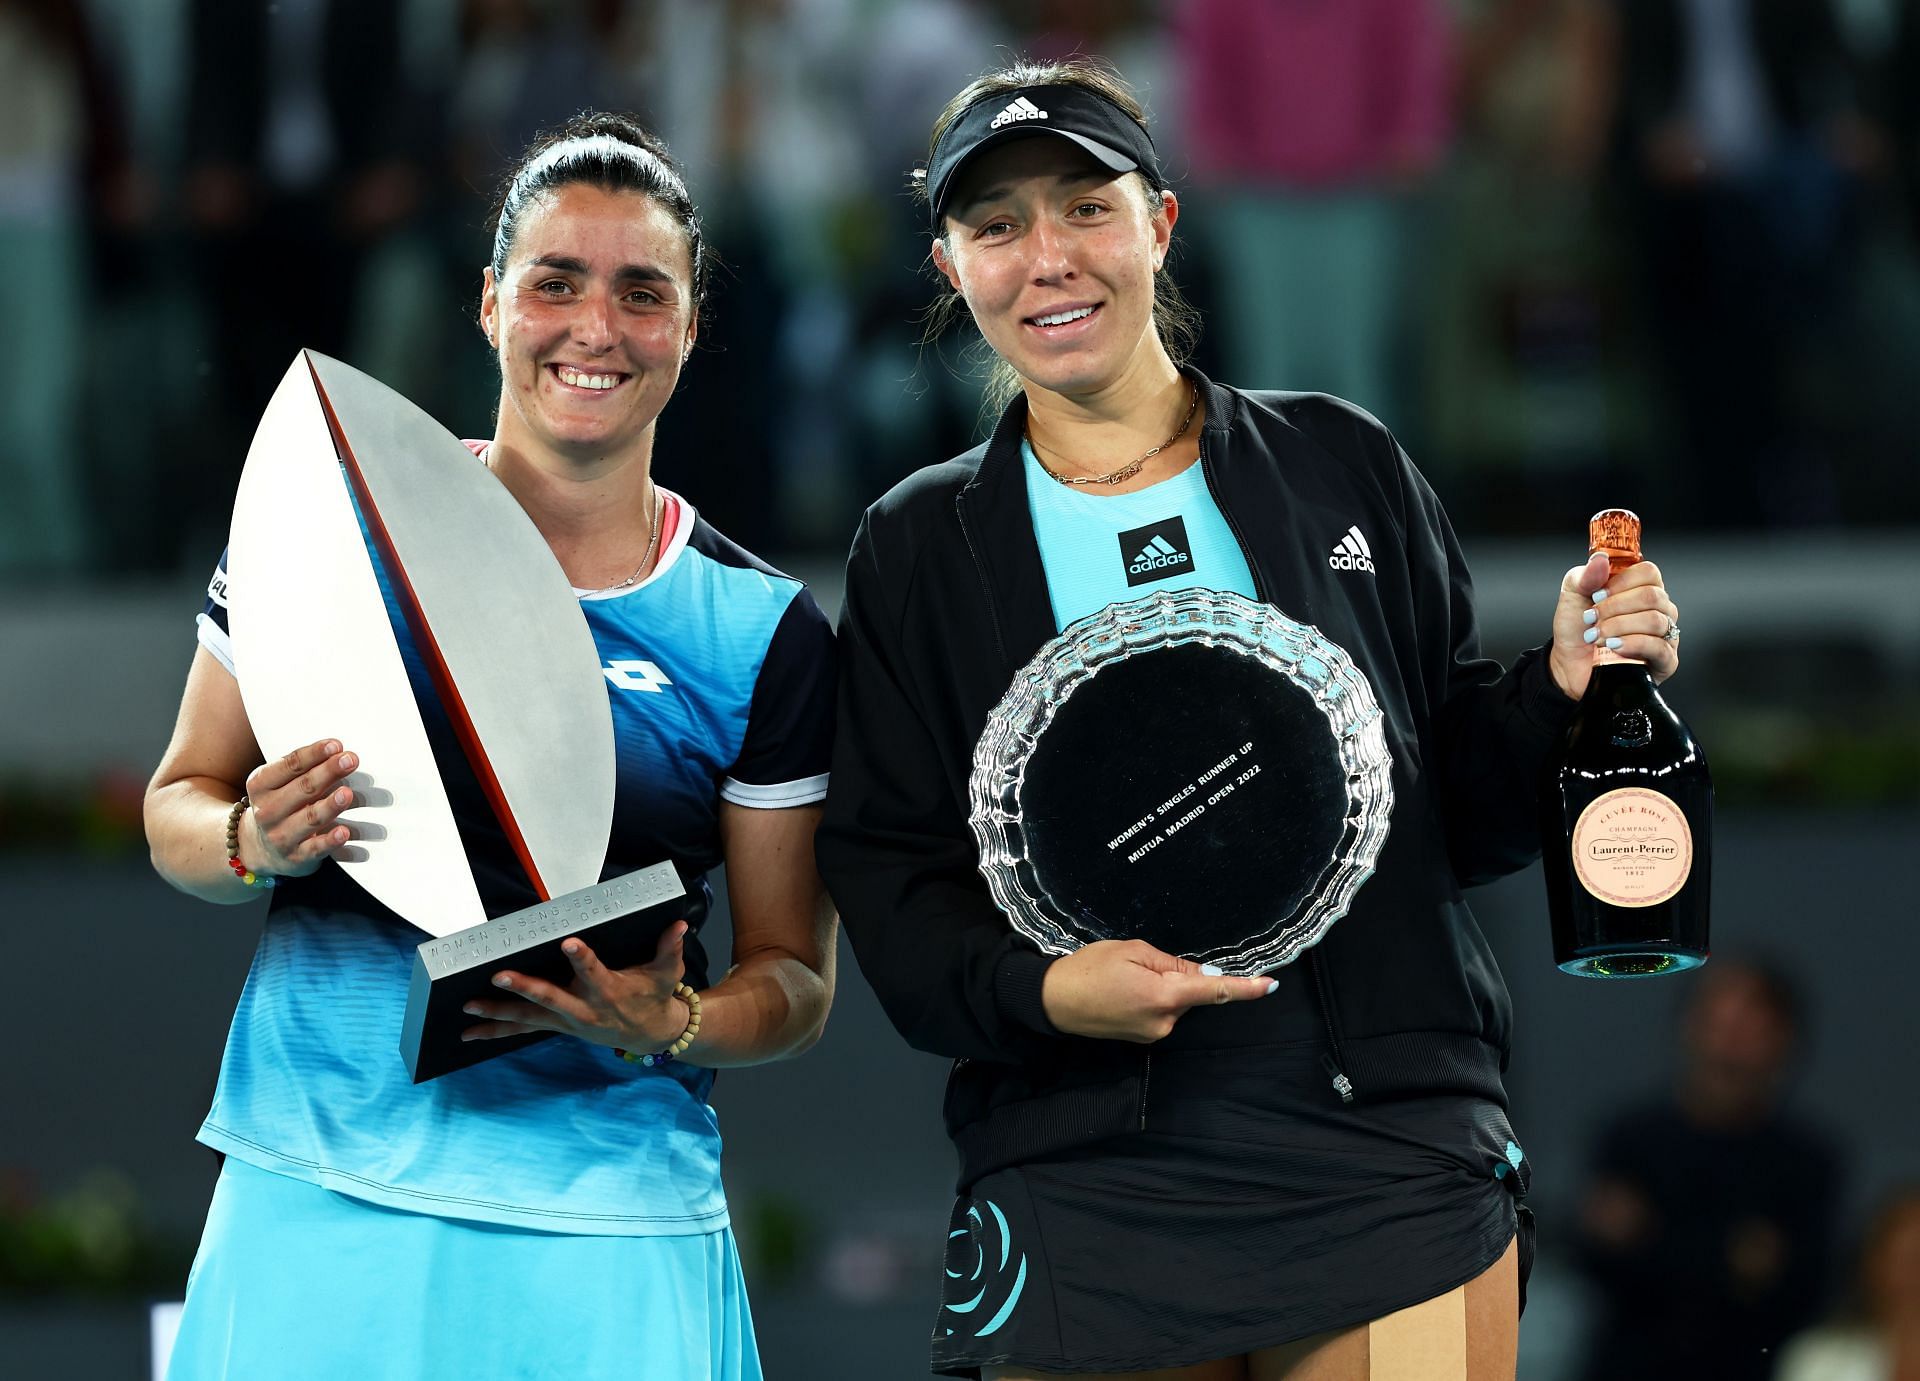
[
  {"x": 1590, "y": 634},
  {"x": 1212, "y": 970},
  {"x": 1613, "y": 644},
  {"x": 1272, "y": 984},
  {"x": 1599, "y": 595},
  {"x": 1589, "y": 616}
]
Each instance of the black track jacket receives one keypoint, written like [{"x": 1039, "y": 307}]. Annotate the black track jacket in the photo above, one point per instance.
[{"x": 946, "y": 599}]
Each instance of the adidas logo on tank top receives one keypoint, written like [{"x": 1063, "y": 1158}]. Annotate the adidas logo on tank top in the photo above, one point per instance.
[{"x": 1156, "y": 551}]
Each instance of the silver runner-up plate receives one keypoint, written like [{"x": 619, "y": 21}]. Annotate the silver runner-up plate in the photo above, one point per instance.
[
  {"x": 348, "y": 482},
  {"x": 1191, "y": 768}
]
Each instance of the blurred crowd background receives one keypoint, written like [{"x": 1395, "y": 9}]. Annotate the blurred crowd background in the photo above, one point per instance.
[
  {"x": 1554, "y": 243},
  {"x": 1575, "y": 253}
]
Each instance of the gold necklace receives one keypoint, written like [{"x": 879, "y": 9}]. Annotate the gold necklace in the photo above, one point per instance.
[
  {"x": 653, "y": 540},
  {"x": 1132, "y": 468},
  {"x": 653, "y": 535}
]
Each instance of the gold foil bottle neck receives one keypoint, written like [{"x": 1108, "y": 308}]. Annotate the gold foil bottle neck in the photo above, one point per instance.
[{"x": 1615, "y": 532}]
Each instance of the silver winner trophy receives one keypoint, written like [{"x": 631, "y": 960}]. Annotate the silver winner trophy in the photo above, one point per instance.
[
  {"x": 357, "y": 515},
  {"x": 1190, "y": 768}
]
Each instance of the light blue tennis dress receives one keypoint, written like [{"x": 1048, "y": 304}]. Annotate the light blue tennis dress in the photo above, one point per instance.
[{"x": 555, "y": 1211}]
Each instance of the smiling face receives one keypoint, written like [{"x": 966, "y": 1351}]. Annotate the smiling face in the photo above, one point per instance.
[
  {"x": 591, "y": 322},
  {"x": 1055, "y": 256}
]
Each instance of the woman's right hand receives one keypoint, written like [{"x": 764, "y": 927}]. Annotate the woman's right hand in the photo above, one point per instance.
[
  {"x": 1126, "y": 990},
  {"x": 293, "y": 823}
]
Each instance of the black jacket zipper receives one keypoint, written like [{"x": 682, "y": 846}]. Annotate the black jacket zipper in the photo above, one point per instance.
[
  {"x": 986, "y": 584},
  {"x": 1331, "y": 1059}
]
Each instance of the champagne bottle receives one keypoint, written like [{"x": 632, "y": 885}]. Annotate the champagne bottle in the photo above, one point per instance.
[{"x": 1627, "y": 816}]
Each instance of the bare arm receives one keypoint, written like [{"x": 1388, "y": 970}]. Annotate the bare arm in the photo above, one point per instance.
[
  {"x": 210, "y": 763},
  {"x": 772, "y": 1003}
]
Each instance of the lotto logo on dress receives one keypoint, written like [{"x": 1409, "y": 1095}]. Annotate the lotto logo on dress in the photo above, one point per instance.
[{"x": 636, "y": 676}]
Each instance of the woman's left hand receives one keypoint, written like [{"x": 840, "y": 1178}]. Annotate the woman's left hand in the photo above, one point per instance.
[
  {"x": 1631, "y": 614},
  {"x": 630, "y": 1008}
]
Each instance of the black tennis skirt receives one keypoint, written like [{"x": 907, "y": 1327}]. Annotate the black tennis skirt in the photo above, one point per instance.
[{"x": 1253, "y": 1210}]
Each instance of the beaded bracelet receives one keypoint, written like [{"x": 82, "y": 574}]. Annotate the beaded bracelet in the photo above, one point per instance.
[
  {"x": 241, "y": 870},
  {"x": 679, "y": 1047}
]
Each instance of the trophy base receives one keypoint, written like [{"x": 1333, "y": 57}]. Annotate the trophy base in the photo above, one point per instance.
[
  {"x": 620, "y": 919},
  {"x": 1625, "y": 962}
]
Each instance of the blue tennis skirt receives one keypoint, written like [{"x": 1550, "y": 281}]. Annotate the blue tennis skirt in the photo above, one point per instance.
[{"x": 293, "y": 1281}]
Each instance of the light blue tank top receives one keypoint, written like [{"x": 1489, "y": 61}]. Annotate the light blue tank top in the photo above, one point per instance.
[{"x": 1099, "y": 549}]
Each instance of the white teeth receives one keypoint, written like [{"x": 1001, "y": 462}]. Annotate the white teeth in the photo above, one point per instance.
[
  {"x": 1062, "y": 318},
  {"x": 579, "y": 380}
]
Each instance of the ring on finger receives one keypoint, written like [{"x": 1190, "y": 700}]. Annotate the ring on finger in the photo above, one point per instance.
[{"x": 1672, "y": 634}]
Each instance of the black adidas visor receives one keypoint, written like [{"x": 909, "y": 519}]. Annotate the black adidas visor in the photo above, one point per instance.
[{"x": 1113, "y": 137}]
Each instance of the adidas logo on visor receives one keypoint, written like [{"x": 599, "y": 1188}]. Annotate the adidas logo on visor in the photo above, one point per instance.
[
  {"x": 1351, "y": 553},
  {"x": 1021, "y": 109}
]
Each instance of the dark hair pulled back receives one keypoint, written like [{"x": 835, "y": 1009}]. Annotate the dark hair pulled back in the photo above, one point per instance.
[{"x": 614, "y": 153}]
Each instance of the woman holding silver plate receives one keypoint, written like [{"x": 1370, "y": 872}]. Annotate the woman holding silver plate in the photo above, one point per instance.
[
  {"x": 557, "y": 1209},
  {"x": 1168, "y": 1167}
]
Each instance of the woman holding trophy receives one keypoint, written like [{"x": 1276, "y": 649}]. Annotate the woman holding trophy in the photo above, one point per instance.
[
  {"x": 560, "y": 1207},
  {"x": 1170, "y": 1168}
]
